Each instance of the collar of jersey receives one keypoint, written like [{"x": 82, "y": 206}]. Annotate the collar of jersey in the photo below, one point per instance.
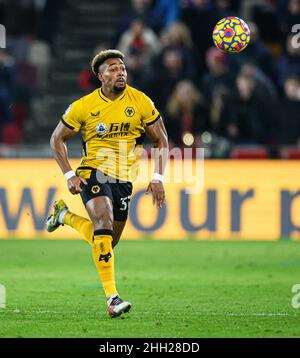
[{"x": 101, "y": 94}]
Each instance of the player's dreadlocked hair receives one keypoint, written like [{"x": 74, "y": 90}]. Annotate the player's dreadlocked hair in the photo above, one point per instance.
[{"x": 103, "y": 56}]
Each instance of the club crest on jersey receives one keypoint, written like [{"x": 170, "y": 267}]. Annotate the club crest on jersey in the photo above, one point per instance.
[
  {"x": 101, "y": 128},
  {"x": 95, "y": 189},
  {"x": 129, "y": 111}
]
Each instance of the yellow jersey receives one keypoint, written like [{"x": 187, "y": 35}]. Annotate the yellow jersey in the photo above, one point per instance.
[{"x": 112, "y": 131}]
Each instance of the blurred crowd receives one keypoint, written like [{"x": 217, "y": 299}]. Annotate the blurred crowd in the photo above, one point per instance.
[
  {"x": 207, "y": 98},
  {"x": 30, "y": 27}
]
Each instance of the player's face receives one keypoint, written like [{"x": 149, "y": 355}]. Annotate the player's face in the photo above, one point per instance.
[{"x": 113, "y": 75}]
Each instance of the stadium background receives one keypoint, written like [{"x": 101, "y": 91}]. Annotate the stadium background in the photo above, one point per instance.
[
  {"x": 236, "y": 107},
  {"x": 243, "y": 109}
]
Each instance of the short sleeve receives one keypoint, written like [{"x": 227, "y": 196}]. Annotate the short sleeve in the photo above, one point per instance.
[
  {"x": 72, "y": 118},
  {"x": 148, "y": 111}
]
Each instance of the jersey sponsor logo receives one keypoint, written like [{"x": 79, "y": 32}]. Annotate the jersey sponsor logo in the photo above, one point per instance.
[
  {"x": 129, "y": 111},
  {"x": 116, "y": 129},
  {"x": 119, "y": 127},
  {"x": 101, "y": 128}
]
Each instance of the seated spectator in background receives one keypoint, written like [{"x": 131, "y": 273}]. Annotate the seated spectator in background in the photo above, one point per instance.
[
  {"x": 178, "y": 37},
  {"x": 141, "y": 9},
  {"x": 264, "y": 85},
  {"x": 185, "y": 112},
  {"x": 256, "y": 53},
  {"x": 156, "y": 14},
  {"x": 141, "y": 40},
  {"x": 290, "y": 111},
  {"x": 218, "y": 74},
  {"x": 165, "y": 74},
  {"x": 140, "y": 45},
  {"x": 200, "y": 18},
  {"x": 290, "y": 61},
  {"x": 246, "y": 116},
  {"x": 291, "y": 17},
  {"x": 267, "y": 19}
]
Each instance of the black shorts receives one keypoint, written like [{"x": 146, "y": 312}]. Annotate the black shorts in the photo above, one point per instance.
[{"x": 118, "y": 191}]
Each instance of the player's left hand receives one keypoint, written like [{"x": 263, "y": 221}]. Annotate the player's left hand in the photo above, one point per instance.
[{"x": 156, "y": 188}]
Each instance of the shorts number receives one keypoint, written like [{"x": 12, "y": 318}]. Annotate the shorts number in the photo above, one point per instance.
[{"x": 124, "y": 203}]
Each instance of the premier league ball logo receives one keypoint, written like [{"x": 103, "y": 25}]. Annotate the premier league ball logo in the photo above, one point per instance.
[{"x": 101, "y": 128}]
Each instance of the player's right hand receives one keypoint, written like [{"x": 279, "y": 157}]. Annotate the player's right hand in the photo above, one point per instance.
[{"x": 74, "y": 184}]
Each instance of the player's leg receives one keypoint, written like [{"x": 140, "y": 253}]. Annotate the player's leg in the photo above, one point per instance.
[
  {"x": 63, "y": 216},
  {"x": 101, "y": 214},
  {"x": 84, "y": 226},
  {"x": 100, "y": 210},
  {"x": 98, "y": 232},
  {"x": 121, "y": 197},
  {"x": 118, "y": 227}
]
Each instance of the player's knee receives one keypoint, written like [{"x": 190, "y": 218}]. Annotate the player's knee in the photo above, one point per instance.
[{"x": 104, "y": 221}]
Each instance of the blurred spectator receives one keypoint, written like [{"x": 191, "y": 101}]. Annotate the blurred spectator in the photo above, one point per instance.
[
  {"x": 139, "y": 40},
  {"x": 267, "y": 18},
  {"x": 246, "y": 116},
  {"x": 178, "y": 37},
  {"x": 290, "y": 61},
  {"x": 165, "y": 74},
  {"x": 264, "y": 85},
  {"x": 218, "y": 74},
  {"x": 155, "y": 14},
  {"x": 186, "y": 113},
  {"x": 140, "y": 45},
  {"x": 292, "y": 16},
  {"x": 290, "y": 109},
  {"x": 256, "y": 53},
  {"x": 200, "y": 19}
]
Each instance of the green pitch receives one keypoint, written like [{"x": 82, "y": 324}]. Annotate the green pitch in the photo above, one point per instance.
[{"x": 178, "y": 289}]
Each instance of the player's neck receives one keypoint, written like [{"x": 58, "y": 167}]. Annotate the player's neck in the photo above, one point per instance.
[{"x": 110, "y": 94}]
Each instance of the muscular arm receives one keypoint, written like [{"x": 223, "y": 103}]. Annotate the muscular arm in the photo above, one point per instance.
[
  {"x": 158, "y": 134},
  {"x": 58, "y": 145},
  {"x": 159, "y": 137}
]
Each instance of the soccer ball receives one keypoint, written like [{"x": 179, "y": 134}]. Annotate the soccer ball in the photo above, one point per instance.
[{"x": 231, "y": 35}]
